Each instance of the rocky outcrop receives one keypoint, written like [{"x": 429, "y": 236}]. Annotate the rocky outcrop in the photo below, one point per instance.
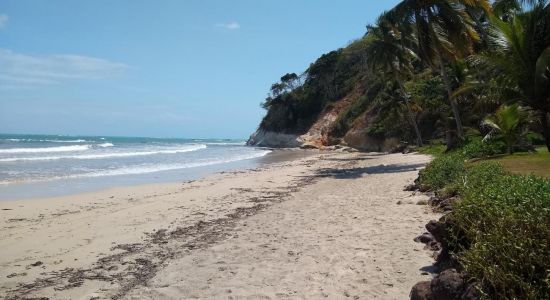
[
  {"x": 448, "y": 285},
  {"x": 262, "y": 138},
  {"x": 451, "y": 283},
  {"x": 320, "y": 135},
  {"x": 317, "y": 137}
]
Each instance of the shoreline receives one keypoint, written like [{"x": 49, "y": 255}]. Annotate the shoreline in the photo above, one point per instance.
[
  {"x": 22, "y": 191},
  {"x": 127, "y": 242}
]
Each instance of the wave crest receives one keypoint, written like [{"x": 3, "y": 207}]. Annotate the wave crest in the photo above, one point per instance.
[
  {"x": 168, "y": 167},
  {"x": 105, "y": 145},
  {"x": 107, "y": 155},
  {"x": 47, "y": 149}
]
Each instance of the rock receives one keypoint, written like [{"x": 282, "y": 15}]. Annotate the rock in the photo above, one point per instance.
[
  {"x": 410, "y": 188},
  {"x": 437, "y": 229},
  {"x": 424, "y": 238},
  {"x": 334, "y": 148},
  {"x": 423, "y": 188},
  {"x": 263, "y": 138},
  {"x": 448, "y": 285},
  {"x": 400, "y": 148},
  {"x": 447, "y": 204},
  {"x": 421, "y": 291},
  {"x": 36, "y": 264},
  {"x": 407, "y": 150},
  {"x": 348, "y": 149},
  {"x": 434, "y": 201},
  {"x": 308, "y": 146},
  {"x": 422, "y": 202},
  {"x": 434, "y": 246},
  {"x": 321, "y": 132}
]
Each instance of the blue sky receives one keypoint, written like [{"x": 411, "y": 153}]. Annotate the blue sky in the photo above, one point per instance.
[{"x": 171, "y": 68}]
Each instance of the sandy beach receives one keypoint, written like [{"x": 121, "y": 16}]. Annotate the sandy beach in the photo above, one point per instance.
[{"x": 328, "y": 225}]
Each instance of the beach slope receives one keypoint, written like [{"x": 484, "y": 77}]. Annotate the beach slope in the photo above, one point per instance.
[{"x": 331, "y": 224}]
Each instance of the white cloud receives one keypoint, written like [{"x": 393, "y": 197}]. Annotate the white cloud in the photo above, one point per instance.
[
  {"x": 26, "y": 70},
  {"x": 229, "y": 26},
  {"x": 3, "y": 20}
]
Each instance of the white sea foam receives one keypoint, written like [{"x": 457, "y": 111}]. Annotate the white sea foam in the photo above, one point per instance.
[
  {"x": 168, "y": 167},
  {"x": 64, "y": 141},
  {"x": 47, "y": 149},
  {"x": 51, "y": 141},
  {"x": 227, "y": 143},
  {"x": 145, "y": 169},
  {"x": 189, "y": 148},
  {"x": 105, "y": 145}
]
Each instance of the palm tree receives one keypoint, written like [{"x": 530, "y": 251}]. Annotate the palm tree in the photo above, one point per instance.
[
  {"x": 519, "y": 57},
  {"x": 506, "y": 9},
  {"x": 387, "y": 51},
  {"x": 444, "y": 33},
  {"x": 507, "y": 124}
]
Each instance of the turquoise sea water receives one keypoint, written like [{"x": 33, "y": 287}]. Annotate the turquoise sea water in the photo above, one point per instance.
[{"x": 56, "y": 161}]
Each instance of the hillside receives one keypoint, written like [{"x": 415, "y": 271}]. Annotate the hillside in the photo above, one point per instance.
[{"x": 339, "y": 100}]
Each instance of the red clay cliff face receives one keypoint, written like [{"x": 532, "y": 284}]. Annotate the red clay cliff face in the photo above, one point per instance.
[{"x": 320, "y": 135}]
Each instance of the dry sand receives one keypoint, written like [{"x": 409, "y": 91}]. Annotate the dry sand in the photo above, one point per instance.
[{"x": 330, "y": 225}]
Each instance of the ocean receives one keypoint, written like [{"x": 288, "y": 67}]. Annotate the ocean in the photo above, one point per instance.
[{"x": 51, "y": 165}]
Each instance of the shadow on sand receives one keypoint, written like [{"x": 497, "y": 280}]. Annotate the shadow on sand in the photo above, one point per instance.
[{"x": 358, "y": 172}]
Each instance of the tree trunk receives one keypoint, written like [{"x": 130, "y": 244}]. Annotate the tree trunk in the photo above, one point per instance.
[
  {"x": 445, "y": 75},
  {"x": 452, "y": 102},
  {"x": 545, "y": 129},
  {"x": 410, "y": 114},
  {"x": 413, "y": 123}
]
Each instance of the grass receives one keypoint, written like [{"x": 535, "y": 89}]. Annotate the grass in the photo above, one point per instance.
[
  {"x": 434, "y": 150},
  {"x": 499, "y": 231},
  {"x": 526, "y": 163}
]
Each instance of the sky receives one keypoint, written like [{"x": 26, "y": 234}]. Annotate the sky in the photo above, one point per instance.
[{"x": 171, "y": 68}]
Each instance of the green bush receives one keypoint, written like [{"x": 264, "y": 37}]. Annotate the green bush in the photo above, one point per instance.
[
  {"x": 504, "y": 221},
  {"x": 499, "y": 231},
  {"x": 443, "y": 171},
  {"x": 476, "y": 148}
]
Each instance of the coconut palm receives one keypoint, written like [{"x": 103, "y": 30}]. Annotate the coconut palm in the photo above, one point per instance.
[
  {"x": 506, "y": 9},
  {"x": 387, "y": 51},
  {"x": 444, "y": 34},
  {"x": 519, "y": 58},
  {"x": 507, "y": 124}
]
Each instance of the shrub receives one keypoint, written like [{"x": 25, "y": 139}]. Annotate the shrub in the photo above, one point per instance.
[
  {"x": 443, "y": 170},
  {"x": 501, "y": 232},
  {"x": 476, "y": 148}
]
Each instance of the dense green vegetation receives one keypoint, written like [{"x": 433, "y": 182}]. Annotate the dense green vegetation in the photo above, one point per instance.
[
  {"x": 432, "y": 70},
  {"x": 500, "y": 229}
]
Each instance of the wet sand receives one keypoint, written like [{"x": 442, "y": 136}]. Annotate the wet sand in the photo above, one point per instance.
[{"x": 325, "y": 225}]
